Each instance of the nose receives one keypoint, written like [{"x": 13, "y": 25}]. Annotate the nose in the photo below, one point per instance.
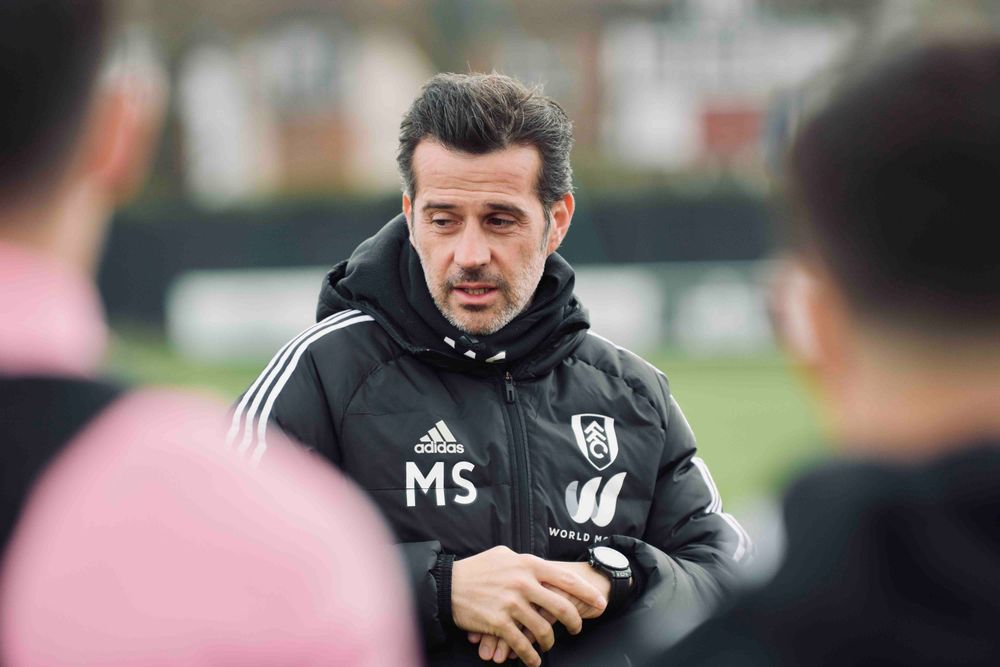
[{"x": 472, "y": 248}]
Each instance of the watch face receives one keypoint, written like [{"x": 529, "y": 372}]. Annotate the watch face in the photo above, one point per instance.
[{"x": 610, "y": 558}]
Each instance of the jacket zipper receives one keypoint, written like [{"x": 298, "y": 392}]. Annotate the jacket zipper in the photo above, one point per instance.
[{"x": 522, "y": 532}]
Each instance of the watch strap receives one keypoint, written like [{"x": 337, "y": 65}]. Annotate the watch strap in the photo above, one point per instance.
[{"x": 619, "y": 593}]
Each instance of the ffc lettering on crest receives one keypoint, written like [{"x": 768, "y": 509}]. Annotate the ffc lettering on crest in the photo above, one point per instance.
[{"x": 596, "y": 438}]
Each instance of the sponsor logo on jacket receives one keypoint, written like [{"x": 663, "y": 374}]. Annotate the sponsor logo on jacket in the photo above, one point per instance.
[
  {"x": 586, "y": 505},
  {"x": 596, "y": 438}
]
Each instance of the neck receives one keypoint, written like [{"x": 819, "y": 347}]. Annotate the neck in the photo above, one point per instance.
[
  {"x": 914, "y": 404},
  {"x": 68, "y": 226}
]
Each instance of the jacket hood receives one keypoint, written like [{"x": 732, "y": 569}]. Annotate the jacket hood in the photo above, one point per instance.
[{"x": 384, "y": 278}]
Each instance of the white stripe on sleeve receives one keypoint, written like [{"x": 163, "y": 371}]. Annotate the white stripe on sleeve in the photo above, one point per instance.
[
  {"x": 267, "y": 376},
  {"x": 289, "y": 369},
  {"x": 743, "y": 543}
]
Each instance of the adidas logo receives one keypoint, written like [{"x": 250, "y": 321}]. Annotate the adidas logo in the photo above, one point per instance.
[{"x": 439, "y": 440}]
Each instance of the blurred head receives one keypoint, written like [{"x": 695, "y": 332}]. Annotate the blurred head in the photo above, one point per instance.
[
  {"x": 487, "y": 193},
  {"x": 893, "y": 191},
  {"x": 72, "y": 138}
]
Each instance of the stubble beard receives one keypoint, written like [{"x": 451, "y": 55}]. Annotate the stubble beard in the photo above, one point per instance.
[{"x": 515, "y": 297}]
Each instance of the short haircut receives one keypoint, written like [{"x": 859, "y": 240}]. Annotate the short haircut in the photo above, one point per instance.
[
  {"x": 50, "y": 52},
  {"x": 895, "y": 186},
  {"x": 482, "y": 113}
]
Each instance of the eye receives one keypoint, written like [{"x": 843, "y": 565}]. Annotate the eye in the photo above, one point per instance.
[
  {"x": 499, "y": 222},
  {"x": 442, "y": 222}
]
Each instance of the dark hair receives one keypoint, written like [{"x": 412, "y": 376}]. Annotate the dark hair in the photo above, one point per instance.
[
  {"x": 50, "y": 52},
  {"x": 482, "y": 113},
  {"x": 895, "y": 185}
]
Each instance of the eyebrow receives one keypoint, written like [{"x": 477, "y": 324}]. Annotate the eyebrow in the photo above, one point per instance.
[
  {"x": 507, "y": 208},
  {"x": 439, "y": 206},
  {"x": 493, "y": 206}
]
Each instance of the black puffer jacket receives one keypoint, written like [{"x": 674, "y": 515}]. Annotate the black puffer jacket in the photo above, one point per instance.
[{"x": 556, "y": 441}]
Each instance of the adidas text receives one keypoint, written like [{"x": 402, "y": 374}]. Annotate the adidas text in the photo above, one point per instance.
[{"x": 439, "y": 448}]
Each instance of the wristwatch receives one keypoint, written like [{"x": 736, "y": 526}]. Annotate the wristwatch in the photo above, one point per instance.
[{"x": 615, "y": 566}]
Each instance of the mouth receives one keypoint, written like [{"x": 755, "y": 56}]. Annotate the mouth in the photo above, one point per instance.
[{"x": 475, "y": 294}]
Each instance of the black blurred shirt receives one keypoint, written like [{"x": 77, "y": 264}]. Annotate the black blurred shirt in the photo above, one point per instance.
[{"x": 886, "y": 564}]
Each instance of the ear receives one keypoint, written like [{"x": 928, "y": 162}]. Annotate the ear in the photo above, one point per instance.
[
  {"x": 562, "y": 216},
  {"x": 793, "y": 314},
  {"x": 815, "y": 325},
  {"x": 408, "y": 212},
  {"x": 121, "y": 135}
]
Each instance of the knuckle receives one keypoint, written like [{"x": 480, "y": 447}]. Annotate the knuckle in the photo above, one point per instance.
[
  {"x": 524, "y": 584},
  {"x": 529, "y": 560},
  {"x": 509, "y": 633},
  {"x": 498, "y": 620},
  {"x": 500, "y": 550}
]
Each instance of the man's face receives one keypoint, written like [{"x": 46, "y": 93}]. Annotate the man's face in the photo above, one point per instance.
[{"x": 480, "y": 231}]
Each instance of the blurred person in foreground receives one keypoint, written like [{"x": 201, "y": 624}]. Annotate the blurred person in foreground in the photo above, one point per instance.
[
  {"x": 132, "y": 536},
  {"x": 453, "y": 376},
  {"x": 893, "y": 307}
]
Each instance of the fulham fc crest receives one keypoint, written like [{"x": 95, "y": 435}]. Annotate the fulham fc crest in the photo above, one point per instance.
[{"x": 595, "y": 436}]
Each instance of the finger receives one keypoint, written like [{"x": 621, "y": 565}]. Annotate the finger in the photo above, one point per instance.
[
  {"x": 475, "y": 637},
  {"x": 586, "y": 611},
  {"x": 487, "y": 647},
  {"x": 520, "y": 645},
  {"x": 558, "y": 606},
  {"x": 569, "y": 582},
  {"x": 536, "y": 625},
  {"x": 502, "y": 653}
]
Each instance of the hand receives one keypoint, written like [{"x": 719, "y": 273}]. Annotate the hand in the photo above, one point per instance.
[
  {"x": 586, "y": 572},
  {"x": 496, "y": 649},
  {"x": 501, "y": 593}
]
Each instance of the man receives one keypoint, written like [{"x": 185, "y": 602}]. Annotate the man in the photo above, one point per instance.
[
  {"x": 894, "y": 555},
  {"x": 451, "y": 374},
  {"x": 131, "y": 536}
]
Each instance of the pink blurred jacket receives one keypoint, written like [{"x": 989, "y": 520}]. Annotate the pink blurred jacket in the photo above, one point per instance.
[{"x": 147, "y": 543}]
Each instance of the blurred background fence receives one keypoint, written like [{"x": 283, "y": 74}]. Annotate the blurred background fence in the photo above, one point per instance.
[{"x": 152, "y": 246}]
